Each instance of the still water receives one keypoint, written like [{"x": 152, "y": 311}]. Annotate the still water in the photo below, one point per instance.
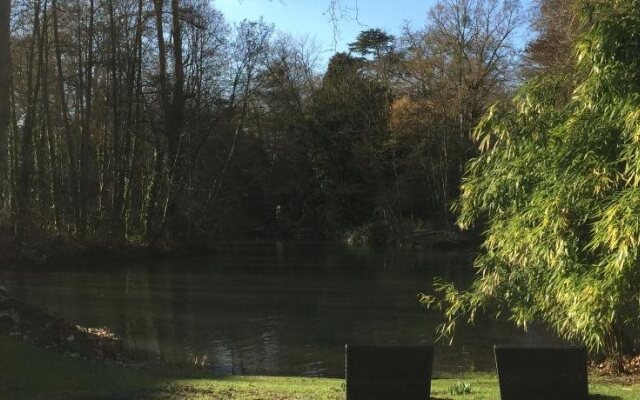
[{"x": 270, "y": 308}]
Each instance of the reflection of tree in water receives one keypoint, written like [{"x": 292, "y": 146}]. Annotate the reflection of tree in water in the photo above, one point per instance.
[{"x": 285, "y": 310}]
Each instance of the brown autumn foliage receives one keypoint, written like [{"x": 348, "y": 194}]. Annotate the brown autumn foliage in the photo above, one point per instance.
[{"x": 557, "y": 26}]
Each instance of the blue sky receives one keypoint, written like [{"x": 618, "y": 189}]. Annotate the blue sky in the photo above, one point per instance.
[{"x": 310, "y": 17}]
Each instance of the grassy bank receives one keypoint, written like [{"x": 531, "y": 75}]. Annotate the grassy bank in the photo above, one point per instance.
[{"x": 30, "y": 373}]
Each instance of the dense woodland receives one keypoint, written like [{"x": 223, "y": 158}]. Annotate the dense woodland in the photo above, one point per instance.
[{"x": 158, "y": 122}]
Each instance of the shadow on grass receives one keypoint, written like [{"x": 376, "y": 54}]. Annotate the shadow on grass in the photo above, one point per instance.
[
  {"x": 29, "y": 372},
  {"x": 591, "y": 397}
]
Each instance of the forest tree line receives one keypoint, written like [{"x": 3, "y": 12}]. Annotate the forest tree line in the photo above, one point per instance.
[{"x": 159, "y": 122}]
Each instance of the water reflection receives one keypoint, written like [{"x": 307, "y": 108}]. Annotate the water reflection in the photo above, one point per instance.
[{"x": 269, "y": 308}]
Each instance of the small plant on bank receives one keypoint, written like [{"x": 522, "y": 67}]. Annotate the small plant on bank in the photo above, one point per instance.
[{"x": 460, "y": 388}]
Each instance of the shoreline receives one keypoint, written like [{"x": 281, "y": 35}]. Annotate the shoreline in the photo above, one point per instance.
[{"x": 58, "y": 251}]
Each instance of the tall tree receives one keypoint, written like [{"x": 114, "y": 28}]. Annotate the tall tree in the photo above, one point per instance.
[
  {"x": 377, "y": 48},
  {"x": 463, "y": 60},
  {"x": 5, "y": 61},
  {"x": 350, "y": 116},
  {"x": 557, "y": 25},
  {"x": 473, "y": 42}
]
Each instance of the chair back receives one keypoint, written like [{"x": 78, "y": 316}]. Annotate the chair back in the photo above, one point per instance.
[
  {"x": 388, "y": 372},
  {"x": 542, "y": 372}
]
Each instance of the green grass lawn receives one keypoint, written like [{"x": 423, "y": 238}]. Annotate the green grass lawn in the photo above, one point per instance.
[{"x": 30, "y": 373}]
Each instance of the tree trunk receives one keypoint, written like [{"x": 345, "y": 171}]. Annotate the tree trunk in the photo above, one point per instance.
[
  {"x": 68, "y": 132},
  {"x": 85, "y": 137},
  {"x": 25, "y": 200},
  {"x": 5, "y": 14}
]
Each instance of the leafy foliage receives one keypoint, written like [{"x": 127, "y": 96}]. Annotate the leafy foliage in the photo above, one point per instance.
[{"x": 558, "y": 182}]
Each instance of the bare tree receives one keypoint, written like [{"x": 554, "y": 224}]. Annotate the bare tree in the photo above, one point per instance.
[
  {"x": 473, "y": 42},
  {"x": 464, "y": 59},
  {"x": 557, "y": 26}
]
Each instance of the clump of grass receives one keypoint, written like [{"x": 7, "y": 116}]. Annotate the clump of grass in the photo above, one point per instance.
[{"x": 460, "y": 388}]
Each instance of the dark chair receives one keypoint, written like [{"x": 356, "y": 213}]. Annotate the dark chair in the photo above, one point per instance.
[
  {"x": 542, "y": 372},
  {"x": 388, "y": 372}
]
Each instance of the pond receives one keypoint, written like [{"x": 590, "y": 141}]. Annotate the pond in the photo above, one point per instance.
[{"x": 271, "y": 308}]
